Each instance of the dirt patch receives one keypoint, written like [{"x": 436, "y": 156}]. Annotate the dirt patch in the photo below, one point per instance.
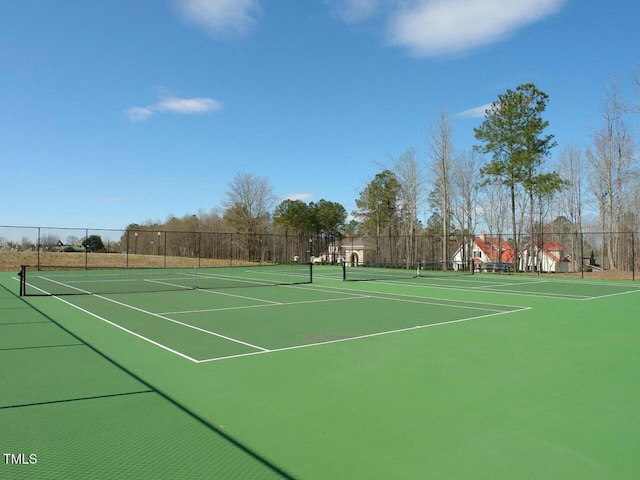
[
  {"x": 11, "y": 261},
  {"x": 596, "y": 275}
]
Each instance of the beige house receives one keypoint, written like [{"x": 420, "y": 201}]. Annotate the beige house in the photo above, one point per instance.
[{"x": 357, "y": 251}]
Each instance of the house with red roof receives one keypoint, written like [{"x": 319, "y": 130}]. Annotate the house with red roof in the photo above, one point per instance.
[
  {"x": 483, "y": 250},
  {"x": 548, "y": 257}
]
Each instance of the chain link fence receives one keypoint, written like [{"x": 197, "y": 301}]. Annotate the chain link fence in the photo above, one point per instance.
[{"x": 593, "y": 254}]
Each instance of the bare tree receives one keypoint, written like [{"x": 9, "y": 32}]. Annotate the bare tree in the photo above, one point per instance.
[
  {"x": 249, "y": 202},
  {"x": 634, "y": 107},
  {"x": 494, "y": 207},
  {"x": 466, "y": 180},
  {"x": 571, "y": 167},
  {"x": 26, "y": 244},
  {"x": 72, "y": 240},
  {"x": 411, "y": 195},
  {"x": 49, "y": 241},
  {"x": 612, "y": 159},
  {"x": 440, "y": 151}
]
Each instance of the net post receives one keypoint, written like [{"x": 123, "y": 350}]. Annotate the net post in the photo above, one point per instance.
[
  {"x": 23, "y": 269},
  {"x": 195, "y": 278},
  {"x": 310, "y": 272},
  {"x": 344, "y": 271}
]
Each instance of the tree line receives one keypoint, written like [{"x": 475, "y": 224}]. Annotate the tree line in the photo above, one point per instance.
[{"x": 506, "y": 185}]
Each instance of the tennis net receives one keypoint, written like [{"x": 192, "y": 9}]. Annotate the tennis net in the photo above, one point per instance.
[
  {"x": 51, "y": 280},
  {"x": 390, "y": 271}
]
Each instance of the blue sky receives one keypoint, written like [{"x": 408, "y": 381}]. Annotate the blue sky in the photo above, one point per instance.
[{"x": 127, "y": 111}]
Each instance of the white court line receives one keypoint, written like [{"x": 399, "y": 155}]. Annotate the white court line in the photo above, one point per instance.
[
  {"x": 521, "y": 281},
  {"x": 216, "y": 292},
  {"x": 315, "y": 288},
  {"x": 355, "y": 296},
  {"x": 493, "y": 285},
  {"x": 243, "y": 307},
  {"x": 203, "y": 330},
  {"x": 162, "y": 317},
  {"x": 59, "y": 283},
  {"x": 360, "y": 337},
  {"x": 449, "y": 305},
  {"x": 244, "y": 297},
  {"x": 486, "y": 290},
  {"x": 384, "y": 296},
  {"x": 142, "y": 337},
  {"x": 184, "y": 287},
  {"x": 296, "y": 347},
  {"x": 565, "y": 296},
  {"x": 547, "y": 295},
  {"x": 269, "y": 302},
  {"x": 247, "y": 280},
  {"x": 611, "y": 295}
]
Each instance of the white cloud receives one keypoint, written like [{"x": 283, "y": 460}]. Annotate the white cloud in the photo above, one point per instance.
[
  {"x": 189, "y": 105},
  {"x": 475, "y": 112},
  {"x": 220, "y": 17},
  {"x": 299, "y": 196},
  {"x": 137, "y": 114},
  {"x": 354, "y": 11},
  {"x": 183, "y": 106},
  {"x": 441, "y": 27}
]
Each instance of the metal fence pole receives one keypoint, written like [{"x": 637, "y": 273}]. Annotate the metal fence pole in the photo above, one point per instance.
[
  {"x": 633, "y": 256},
  {"x": 86, "y": 249},
  {"x": 581, "y": 255}
]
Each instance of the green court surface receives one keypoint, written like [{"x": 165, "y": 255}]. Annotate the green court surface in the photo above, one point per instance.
[{"x": 456, "y": 377}]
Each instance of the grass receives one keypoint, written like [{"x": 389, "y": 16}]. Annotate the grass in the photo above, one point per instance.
[{"x": 11, "y": 261}]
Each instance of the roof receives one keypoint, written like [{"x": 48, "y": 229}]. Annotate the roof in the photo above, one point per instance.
[
  {"x": 357, "y": 243},
  {"x": 496, "y": 249},
  {"x": 551, "y": 250},
  {"x": 551, "y": 246}
]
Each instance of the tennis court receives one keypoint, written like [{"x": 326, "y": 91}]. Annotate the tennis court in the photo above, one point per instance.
[{"x": 287, "y": 372}]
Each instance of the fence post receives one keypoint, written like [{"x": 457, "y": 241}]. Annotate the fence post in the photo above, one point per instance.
[
  {"x": 581, "y": 255},
  {"x": 38, "y": 248},
  {"x": 86, "y": 249},
  {"x": 199, "y": 246},
  {"x": 633, "y": 256}
]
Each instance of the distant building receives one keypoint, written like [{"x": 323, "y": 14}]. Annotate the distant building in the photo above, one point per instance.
[
  {"x": 483, "y": 250},
  {"x": 357, "y": 251},
  {"x": 548, "y": 258},
  {"x": 333, "y": 255}
]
